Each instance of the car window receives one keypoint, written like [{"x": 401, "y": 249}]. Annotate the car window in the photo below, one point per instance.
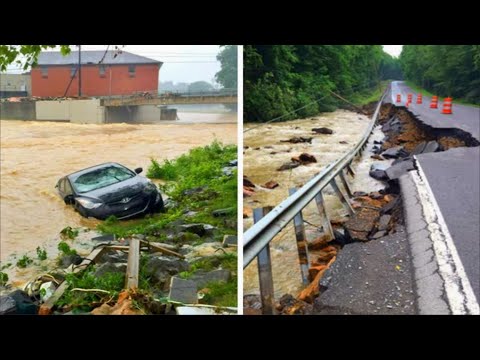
[
  {"x": 61, "y": 185},
  {"x": 68, "y": 188},
  {"x": 100, "y": 178}
]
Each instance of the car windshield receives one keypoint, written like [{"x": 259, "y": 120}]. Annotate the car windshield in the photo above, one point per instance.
[{"x": 100, "y": 178}]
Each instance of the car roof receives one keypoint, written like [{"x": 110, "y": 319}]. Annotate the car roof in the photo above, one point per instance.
[{"x": 93, "y": 168}]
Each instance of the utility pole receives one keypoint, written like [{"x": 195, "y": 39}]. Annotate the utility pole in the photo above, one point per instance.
[{"x": 79, "y": 70}]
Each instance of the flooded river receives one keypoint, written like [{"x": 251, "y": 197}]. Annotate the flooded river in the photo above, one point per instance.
[
  {"x": 35, "y": 154},
  {"x": 266, "y": 153}
]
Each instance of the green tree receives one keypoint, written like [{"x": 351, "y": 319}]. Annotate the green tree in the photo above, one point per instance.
[
  {"x": 25, "y": 55},
  {"x": 227, "y": 76},
  {"x": 446, "y": 70},
  {"x": 199, "y": 86}
]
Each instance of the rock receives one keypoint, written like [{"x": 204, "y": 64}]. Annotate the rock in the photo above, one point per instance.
[
  {"x": 313, "y": 290},
  {"x": 183, "y": 291},
  {"x": 322, "y": 130},
  {"x": 170, "y": 204},
  {"x": 359, "y": 193},
  {"x": 340, "y": 238},
  {"x": 247, "y": 212},
  {"x": 343, "y": 142},
  {"x": 307, "y": 158},
  {"x": 377, "y": 157},
  {"x": 193, "y": 191},
  {"x": 419, "y": 148},
  {"x": 117, "y": 268},
  {"x": 230, "y": 240},
  {"x": 271, "y": 184},
  {"x": 377, "y": 171},
  {"x": 268, "y": 147},
  {"x": 375, "y": 195},
  {"x": 397, "y": 170},
  {"x": 247, "y": 192},
  {"x": 361, "y": 224},
  {"x": 205, "y": 249},
  {"x": 228, "y": 170},
  {"x": 114, "y": 256},
  {"x": 161, "y": 268},
  {"x": 298, "y": 139},
  {"x": 233, "y": 162},
  {"x": 67, "y": 260},
  {"x": 383, "y": 222},
  {"x": 198, "y": 229},
  {"x": 319, "y": 243},
  {"x": 257, "y": 148},
  {"x": 387, "y": 209},
  {"x": 287, "y": 166},
  {"x": 190, "y": 213},
  {"x": 24, "y": 304},
  {"x": 432, "y": 146},
  {"x": 7, "y": 305},
  {"x": 183, "y": 237},
  {"x": 247, "y": 182},
  {"x": 201, "y": 279},
  {"x": 379, "y": 234},
  {"x": 377, "y": 142},
  {"x": 222, "y": 212},
  {"x": 394, "y": 152},
  {"x": 288, "y": 305}
]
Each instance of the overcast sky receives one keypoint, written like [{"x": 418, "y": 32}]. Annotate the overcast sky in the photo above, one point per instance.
[
  {"x": 181, "y": 63},
  {"x": 393, "y": 50}
]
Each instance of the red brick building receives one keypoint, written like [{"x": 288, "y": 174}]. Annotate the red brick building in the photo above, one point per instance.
[{"x": 123, "y": 74}]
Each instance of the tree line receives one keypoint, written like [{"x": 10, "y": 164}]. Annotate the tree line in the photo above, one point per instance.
[
  {"x": 445, "y": 70},
  {"x": 281, "y": 78}
]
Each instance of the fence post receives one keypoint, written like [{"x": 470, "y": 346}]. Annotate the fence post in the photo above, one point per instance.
[{"x": 264, "y": 263}]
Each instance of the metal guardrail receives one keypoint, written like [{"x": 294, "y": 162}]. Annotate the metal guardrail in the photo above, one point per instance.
[{"x": 256, "y": 240}]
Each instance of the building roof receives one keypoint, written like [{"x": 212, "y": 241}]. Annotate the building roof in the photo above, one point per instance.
[{"x": 93, "y": 57}]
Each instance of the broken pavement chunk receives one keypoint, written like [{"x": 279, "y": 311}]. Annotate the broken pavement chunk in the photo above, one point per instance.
[{"x": 183, "y": 291}]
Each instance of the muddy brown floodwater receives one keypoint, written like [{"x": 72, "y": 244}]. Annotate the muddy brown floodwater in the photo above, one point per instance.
[
  {"x": 35, "y": 154},
  {"x": 266, "y": 153}
]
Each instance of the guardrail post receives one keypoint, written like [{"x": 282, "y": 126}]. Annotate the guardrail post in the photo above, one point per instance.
[
  {"x": 350, "y": 170},
  {"x": 342, "y": 197},
  {"x": 302, "y": 245},
  {"x": 264, "y": 263},
  {"x": 327, "y": 227},
  {"x": 345, "y": 183}
]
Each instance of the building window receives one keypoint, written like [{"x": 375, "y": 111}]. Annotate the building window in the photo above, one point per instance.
[
  {"x": 131, "y": 70},
  {"x": 73, "y": 71},
  {"x": 44, "y": 72},
  {"x": 101, "y": 70}
]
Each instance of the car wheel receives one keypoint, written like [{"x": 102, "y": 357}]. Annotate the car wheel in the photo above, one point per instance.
[{"x": 160, "y": 207}]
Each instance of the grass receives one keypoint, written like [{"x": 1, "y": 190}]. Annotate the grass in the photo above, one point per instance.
[
  {"x": 41, "y": 253},
  {"x": 371, "y": 95},
  {"x": 24, "y": 261},
  {"x": 3, "y": 279},
  {"x": 69, "y": 233},
  {"x": 222, "y": 293},
  {"x": 424, "y": 92}
]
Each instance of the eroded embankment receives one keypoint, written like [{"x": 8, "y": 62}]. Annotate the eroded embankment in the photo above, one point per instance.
[{"x": 378, "y": 213}]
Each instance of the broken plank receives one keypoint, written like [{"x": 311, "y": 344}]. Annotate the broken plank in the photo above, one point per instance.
[{"x": 163, "y": 250}]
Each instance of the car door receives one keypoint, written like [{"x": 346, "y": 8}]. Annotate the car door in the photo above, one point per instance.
[{"x": 68, "y": 192}]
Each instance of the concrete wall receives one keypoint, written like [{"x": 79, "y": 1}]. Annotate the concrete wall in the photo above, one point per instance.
[
  {"x": 86, "y": 112},
  {"x": 24, "y": 110},
  {"x": 15, "y": 83},
  {"x": 75, "y": 111},
  {"x": 53, "y": 110},
  {"x": 119, "y": 114}
]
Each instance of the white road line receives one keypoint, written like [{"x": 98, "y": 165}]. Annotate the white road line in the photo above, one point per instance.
[{"x": 458, "y": 289}]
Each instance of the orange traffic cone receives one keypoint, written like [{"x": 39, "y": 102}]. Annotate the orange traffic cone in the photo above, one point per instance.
[
  {"x": 447, "y": 106},
  {"x": 399, "y": 98},
  {"x": 407, "y": 103},
  {"x": 419, "y": 98},
  {"x": 409, "y": 97},
  {"x": 434, "y": 103}
]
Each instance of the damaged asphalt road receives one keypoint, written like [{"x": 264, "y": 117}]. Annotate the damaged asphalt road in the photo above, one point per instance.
[{"x": 374, "y": 277}]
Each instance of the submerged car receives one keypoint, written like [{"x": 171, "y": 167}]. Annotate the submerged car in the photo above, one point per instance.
[{"x": 110, "y": 189}]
